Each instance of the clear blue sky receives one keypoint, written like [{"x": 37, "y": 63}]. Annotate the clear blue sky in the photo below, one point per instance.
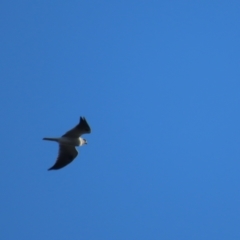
[{"x": 158, "y": 82}]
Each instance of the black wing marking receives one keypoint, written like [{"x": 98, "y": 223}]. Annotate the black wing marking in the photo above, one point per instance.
[
  {"x": 80, "y": 129},
  {"x": 66, "y": 155}
]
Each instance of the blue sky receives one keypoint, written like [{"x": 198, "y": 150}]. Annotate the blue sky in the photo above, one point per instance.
[{"x": 158, "y": 82}]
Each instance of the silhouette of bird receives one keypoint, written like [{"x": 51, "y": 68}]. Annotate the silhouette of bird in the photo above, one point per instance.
[{"x": 68, "y": 143}]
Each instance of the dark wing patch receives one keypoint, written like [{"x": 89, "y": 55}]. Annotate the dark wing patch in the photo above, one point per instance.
[
  {"x": 66, "y": 155},
  {"x": 80, "y": 129}
]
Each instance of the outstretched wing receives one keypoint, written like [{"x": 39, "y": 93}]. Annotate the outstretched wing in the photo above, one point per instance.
[
  {"x": 66, "y": 155},
  {"x": 80, "y": 129}
]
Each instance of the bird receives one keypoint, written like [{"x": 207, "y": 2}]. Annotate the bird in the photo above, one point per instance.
[{"x": 68, "y": 143}]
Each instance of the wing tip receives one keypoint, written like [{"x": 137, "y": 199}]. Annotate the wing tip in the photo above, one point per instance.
[
  {"x": 82, "y": 118},
  {"x": 84, "y": 122},
  {"x": 51, "y": 168},
  {"x": 54, "y": 167}
]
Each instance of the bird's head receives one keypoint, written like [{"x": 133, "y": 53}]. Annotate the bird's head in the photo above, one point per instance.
[{"x": 82, "y": 141}]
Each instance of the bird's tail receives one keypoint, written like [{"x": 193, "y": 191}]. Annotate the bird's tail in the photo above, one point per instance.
[{"x": 51, "y": 139}]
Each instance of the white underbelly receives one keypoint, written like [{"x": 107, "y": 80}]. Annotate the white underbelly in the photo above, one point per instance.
[{"x": 70, "y": 141}]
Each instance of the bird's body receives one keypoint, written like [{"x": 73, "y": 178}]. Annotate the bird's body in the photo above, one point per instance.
[{"x": 68, "y": 142}]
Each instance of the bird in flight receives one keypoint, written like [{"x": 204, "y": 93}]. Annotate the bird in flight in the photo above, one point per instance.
[{"x": 67, "y": 143}]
